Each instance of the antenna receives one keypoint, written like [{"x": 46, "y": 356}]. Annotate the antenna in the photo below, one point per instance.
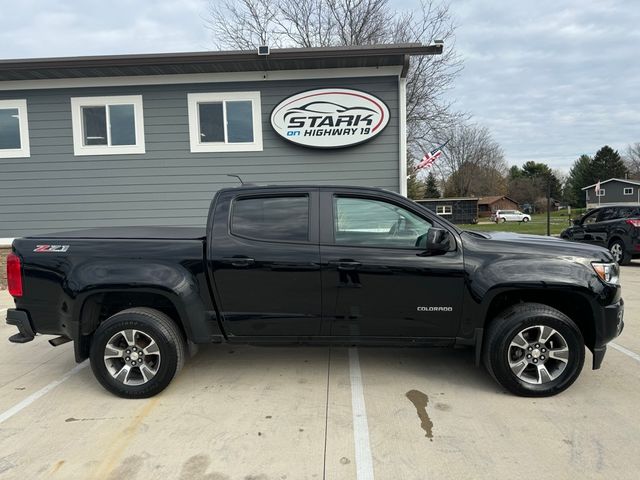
[{"x": 238, "y": 177}]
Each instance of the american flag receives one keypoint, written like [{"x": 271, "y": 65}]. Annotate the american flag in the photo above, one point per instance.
[{"x": 430, "y": 157}]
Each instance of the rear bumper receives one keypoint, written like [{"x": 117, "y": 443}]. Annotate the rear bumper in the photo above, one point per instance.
[
  {"x": 610, "y": 327},
  {"x": 20, "y": 319}
]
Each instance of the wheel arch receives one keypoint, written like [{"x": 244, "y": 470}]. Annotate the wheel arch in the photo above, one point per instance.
[
  {"x": 97, "y": 306},
  {"x": 614, "y": 237},
  {"x": 571, "y": 302},
  {"x": 196, "y": 324}
]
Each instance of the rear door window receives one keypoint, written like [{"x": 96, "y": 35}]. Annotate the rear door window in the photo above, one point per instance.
[
  {"x": 282, "y": 218},
  {"x": 608, "y": 214}
]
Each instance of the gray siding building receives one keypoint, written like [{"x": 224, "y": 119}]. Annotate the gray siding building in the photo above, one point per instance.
[
  {"x": 148, "y": 139},
  {"x": 456, "y": 210},
  {"x": 613, "y": 191}
]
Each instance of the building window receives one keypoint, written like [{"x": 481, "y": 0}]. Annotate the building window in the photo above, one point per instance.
[
  {"x": 14, "y": 129},
  {"x": 600, "y": 193},
  {"x": 444, "y": 210},
  {"x": 628, "y": 191},
  {"x": 107, "y": 125},
  {"x": 225, "y": 122}
]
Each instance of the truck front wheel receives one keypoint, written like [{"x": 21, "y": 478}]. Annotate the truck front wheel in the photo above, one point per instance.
[
  {"x": 137, "y": 352},
  {"x": 533, "y": 350}
]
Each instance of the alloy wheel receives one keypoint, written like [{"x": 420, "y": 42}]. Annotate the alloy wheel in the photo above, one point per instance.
[
  {"x": 132, "y": 357},
  {"x": 538, "y": 354},
  {"x": 616, "y": 251}
]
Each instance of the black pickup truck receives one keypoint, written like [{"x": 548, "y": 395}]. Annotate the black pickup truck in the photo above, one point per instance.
[{"x": 309, "y": 264}]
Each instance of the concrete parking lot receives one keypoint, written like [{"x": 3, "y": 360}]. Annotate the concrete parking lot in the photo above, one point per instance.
[{"x": 318, "y": 413}]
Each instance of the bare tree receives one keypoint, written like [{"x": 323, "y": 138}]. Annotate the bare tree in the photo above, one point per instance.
[
  {"x": 246, "y": 24},
  {"x": 472, "y": 162},
  {"x": 632, "y": 159}
]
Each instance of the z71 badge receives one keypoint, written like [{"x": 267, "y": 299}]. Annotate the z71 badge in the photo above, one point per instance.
[{"x": 51, "y": 248}]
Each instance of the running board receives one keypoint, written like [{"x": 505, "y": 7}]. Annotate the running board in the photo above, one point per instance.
[{"x": 56, "y": 342}]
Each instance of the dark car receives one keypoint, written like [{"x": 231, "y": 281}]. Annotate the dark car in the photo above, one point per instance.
[
  {"x": 616, "y": 227},
  {"x": 316, "y": 264}
]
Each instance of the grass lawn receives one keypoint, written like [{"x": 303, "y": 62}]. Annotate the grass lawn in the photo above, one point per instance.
[{"x": 537, "y": 225}]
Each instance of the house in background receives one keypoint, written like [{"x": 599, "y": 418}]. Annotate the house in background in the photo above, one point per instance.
[
  {"x": 614, "y": 190},
  {"x": 456, "y": 210},
  {"x": 488, "y": 205}
]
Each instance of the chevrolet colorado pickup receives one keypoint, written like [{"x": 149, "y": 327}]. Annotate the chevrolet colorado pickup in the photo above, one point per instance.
[{"x": 305, "y": 264}]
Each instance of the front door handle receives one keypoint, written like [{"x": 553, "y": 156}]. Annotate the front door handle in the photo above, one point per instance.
[{"x": 239, "y": 261}]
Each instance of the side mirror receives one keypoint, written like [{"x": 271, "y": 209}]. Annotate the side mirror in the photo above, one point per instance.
[
  {"x": 436, "y": 240},
  {"x": 575, "y": 221}
]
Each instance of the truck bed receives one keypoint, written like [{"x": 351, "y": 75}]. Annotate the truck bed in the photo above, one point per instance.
[{"x": 130, "y": 233}]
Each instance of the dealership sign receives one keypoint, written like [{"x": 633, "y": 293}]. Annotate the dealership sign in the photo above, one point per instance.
[{"x": 330, "y": 118}]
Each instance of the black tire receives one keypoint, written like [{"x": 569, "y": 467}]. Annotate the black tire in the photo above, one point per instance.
[
  {"x": 506, "y": 326},
  {"x": 156, "y": 325},
  {"x": 503, "y": 219},
  {"x": 525, "y": 219},
  {"x": 619, "y": 252}
]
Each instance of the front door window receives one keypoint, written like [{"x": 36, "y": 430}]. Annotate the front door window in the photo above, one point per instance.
[{"x": 374, "y": 223}]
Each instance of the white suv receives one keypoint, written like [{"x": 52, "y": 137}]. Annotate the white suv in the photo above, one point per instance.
[{"x": 510, "y": 216}]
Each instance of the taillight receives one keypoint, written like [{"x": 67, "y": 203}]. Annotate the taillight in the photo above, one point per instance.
[
  {"x": 14, "y": 275},
  {"x": 635, "y": 222}
]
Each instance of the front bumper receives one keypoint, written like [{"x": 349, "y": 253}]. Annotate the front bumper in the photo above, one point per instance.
[
  {"x": 20, "y": 319},
  {"x": 610, "y": 327}
]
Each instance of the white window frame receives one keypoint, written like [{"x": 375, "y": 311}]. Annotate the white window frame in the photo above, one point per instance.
[
  {"x": 23, "y": 124},
  {"x": 444, "y": 210},
  {"x": 601, "y": 192},
  {"x": 193, "y": 99},
  {"x": 80, "y": 149},
  {"x": 628, "y": 191}
]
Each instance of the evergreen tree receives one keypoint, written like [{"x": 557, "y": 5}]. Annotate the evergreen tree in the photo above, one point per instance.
[
  {"x": 586, "y": 171},
  {"x": 415, "y": 187},
  {"x": 580, "y": 176},
  {"x": 607, "y": 164},
  {"x": 431, "y": 187},
  {"x": 531, "y": 182}
]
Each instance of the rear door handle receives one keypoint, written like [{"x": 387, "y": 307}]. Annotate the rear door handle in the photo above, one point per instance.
[
  {"x": 239, "y": 261},
  {"x": 346, "y": 264}
]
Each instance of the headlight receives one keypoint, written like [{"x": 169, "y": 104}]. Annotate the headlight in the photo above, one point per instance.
[{"x": 608, "y": 272}]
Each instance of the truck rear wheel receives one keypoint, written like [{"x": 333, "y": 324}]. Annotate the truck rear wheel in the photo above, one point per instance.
[
  {"x": 137, "y": 352},
  {"x": 534, "y": 350}
]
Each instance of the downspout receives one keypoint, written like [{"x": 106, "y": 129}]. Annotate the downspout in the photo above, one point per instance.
[{"x": 402, "y": 100}]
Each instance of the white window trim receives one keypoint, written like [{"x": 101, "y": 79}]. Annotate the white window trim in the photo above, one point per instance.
[
  {"x": 444, "y": 210},
  {"x": 23, "y": 123},
  {"x": 193, "y": 99},
  {"x": 600, "y": 193},
  {"x": 628, "y": 189},
  {"x": 79, "y": 149}
]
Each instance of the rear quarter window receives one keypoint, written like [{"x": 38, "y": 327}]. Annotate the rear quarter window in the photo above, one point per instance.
[{"x": 283, "y": 218}]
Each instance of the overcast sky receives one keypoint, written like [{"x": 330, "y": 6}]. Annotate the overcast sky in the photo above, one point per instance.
[{"x": 551, "y": 79}]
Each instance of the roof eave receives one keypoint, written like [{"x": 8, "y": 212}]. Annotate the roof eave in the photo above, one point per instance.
[
  {"x": 403, "y": 51},
  {"x": 624, "y": 180}
]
